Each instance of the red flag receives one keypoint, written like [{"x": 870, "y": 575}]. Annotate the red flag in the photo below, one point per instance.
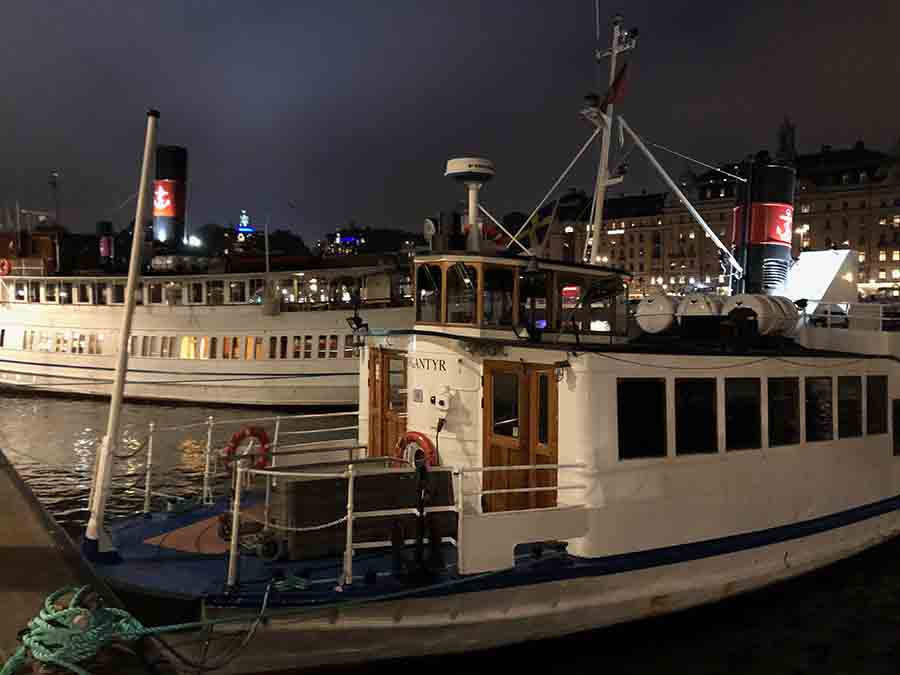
[{"x": 616, "y": 89}]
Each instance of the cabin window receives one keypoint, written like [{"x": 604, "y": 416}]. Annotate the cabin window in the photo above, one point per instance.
[
  {"x": 498, "y": 296},
  {"x": 506, "y": 404},
  {"x": 50, "y": 292},
  {"x": 215, "y": 294},
  {"x": 298, "y": 346},
  {"x": 2, "y": 336},
  {"x": 742, "y": 413},
  {"x": 93, "y": 345},
  {"x": 173, "y": 293},
  {"x": 428, "y": 290},
  {"x": 196, "y": 293},
  {"x": 695, "y": 416},
  {"x": 641, "y": 417},
  {"x": 61, "y": 344},
  {"x": 253, "y": 348},
  {"x": 156, "y": 294},
  {"x": 819, "y": 420},
  {"x": 80, "y": 343},
  {"x": 284, "y": 347},
  {"x": 189, "y": 347},
  {"x": 543, "y": 411},
  {"x": 570, "y": 293},
  {"x": 118, "y": 294},
  {"x": 876, "y": 404},
  {"x": 273, "y": 347},
  {"x": 257, "y": 290},
  {"x": 237, "y": 291},
  {"x": 204, "y": 347},
  {"x": 139, "y": 294},
  {"x": 213, "y": 347},
  {"x": 65, "y": 293},
  {"x": 784, "y": 411},
  {"x": 849, "y": 406},
  {"x": 323, "y": 344},
  {"x": 462, "y": 286},
  {"x": 533, "y": 305},
  {"x": 83, "y": 294},
  {"x": 145, "y": 346},
  {"x": 332, "y": 346},
  {"x": 34, "y": 291},
  {"x": 307, "y": 347},
  {"x": 166, "y": 349},
  {"x": 348, "y": 346},
  {"x": 100, "y": 290},
  {"x": 20, "y": 291}
]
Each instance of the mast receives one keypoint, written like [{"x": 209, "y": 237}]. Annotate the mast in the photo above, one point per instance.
[
  {"x": 621, "y": 41},
  {"x": 96, "y": 542}
]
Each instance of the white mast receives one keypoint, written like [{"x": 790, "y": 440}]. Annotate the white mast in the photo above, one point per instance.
[
  {"x": 621, "y": 41},
  {"x": 96, "y": 541}
]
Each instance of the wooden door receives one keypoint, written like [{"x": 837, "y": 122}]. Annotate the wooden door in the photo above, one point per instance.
[
  {"x": 387, "y": 400},
  {"x": 520, "y": 429}
]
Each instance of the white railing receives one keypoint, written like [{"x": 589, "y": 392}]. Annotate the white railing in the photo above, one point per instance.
[
  {"x": 351, "y": 514},
  {"x": 215, "y": 442}
]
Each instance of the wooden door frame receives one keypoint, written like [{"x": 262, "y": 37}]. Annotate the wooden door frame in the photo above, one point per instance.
[{"x": 380, "y": 391}]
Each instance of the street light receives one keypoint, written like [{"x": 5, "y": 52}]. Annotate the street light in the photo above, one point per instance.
[{"x": 802, "y": 230}]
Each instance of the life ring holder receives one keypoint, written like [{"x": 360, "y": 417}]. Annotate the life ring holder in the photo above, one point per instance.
[
  {"x": 5, "y": 267},
  {"x": 412, "y": 443},
  {"x": 262, "y": 456}
]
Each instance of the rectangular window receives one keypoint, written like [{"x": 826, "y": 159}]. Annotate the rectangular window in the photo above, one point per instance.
[
  {"x": 213, "y": 347},
  {"x": 173, "y": 291},
  {"x": 92, "y": 344},
  {"x": 307, "y": 347},
  {"x": 543, "y": 411},
  {"x": 188, "y": 347},
  {"x": 695, "y": 416},
  {"x": 20, "y": 291},
  {"x": 876, "y": 404},
  {"x": 204, "y": 347},
  {"x": 237, "y": 291},
  {"x": 323, "y": 344},
  {"x": 156, "y": 293},
  {"x": 332, "y": 346},
  {"x": 498, "y": 296},
  {"x": 50, "y": 292},
  {"x": 83, "y": 294},
  {"x": 165, "y": 351},
  {"x": 348, "y": 346},
  {"x": 462, "y": 285},
  {"x": 642, "y": 417},
  {"x": 428, "y": 293},
  {"x": 145, "y": 346},
  {"x": 819, "y": 420},
  {"x": 154, "y": 345},
  {"x": 118, "y": 294},
  {"x": 100, "y": 290},
  {"x": 196, "y": 292},
  {"x": 849, "y": 406},
  {"x": 784, "y": 411},
  {"x": 81, "y": 343},
  {"x": 215, "y": 294},
  {"x": 34, "y": 291},
  {"x": 505, "y": 404},
  {"x": 2, "y": 336},
  {"x": 533, "y": 304},
  {"x": 298, "y": 346},
  {"x": 273, "y": 347},
  {"x": 226, "y": 347},
  {"x": 249, "y": 351},
  {"x": 65, "y": 293},
  {"x": 257, "y": 290},
  {"x": 284, "y": 347},
  {"x": 743, "y": 422},
  {"x": 139, "y": 294}
]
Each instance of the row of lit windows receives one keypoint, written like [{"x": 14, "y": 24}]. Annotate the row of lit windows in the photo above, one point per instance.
[
  {"x": 73, "y": 342},
  {"x": 807, "y": 207},
  {"x": 248, "y": 347},
  {"x": 642, "y": 424}
]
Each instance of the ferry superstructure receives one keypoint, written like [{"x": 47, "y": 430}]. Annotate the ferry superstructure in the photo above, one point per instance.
[{"x": 211, "y": 338}]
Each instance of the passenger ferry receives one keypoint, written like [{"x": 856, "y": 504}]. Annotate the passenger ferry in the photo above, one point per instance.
[
  {"x": 533, "y": 460},
  {"x": 211, "y": 338}
]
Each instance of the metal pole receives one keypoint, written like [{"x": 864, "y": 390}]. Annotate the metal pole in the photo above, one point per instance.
[
  {"x": 235, "y": 530},
  {"x": 207, "y": 492},
  {"x": 745, "y": 227},
  {"x": 149, "y": 472},
  {"x": 94, "y": 530},
  {"x": 267, "y": 508},
  {"x": 459, "y": 521},
  {"x": 684, "y": 200},
  {"x": 348, "y": 544},
  {"x": 274, "y": 480},
  {"x": 603, "y": 171}
]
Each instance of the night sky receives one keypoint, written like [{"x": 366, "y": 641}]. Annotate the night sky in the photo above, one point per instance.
[{"x": 350, "y": 109}]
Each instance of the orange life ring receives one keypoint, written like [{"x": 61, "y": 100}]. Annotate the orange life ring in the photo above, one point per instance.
[
  {"x": 262, "y": 454},
  {"x": 413, "y": 442},
  {"x": 5, "y": 267}
]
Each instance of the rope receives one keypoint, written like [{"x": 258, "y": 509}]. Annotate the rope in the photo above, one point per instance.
[{"x": 311, "y": 528}]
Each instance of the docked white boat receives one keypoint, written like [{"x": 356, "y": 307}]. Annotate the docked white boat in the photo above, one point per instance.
[
  {"x": 201, "y": 339},
  {"x": 533, "y": 460}
]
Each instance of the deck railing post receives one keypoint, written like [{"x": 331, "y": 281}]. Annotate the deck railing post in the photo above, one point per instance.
[
  {"x": 149, "y": 471},
  {"x": 348, "y": 546},
  {"x": 235, "y": 530},
  {"x": 274, "y": 455},
  {"x": 459, "y": 521},
  {"x": 267, "y": 508},
  {"x": 207, "y": 491}
]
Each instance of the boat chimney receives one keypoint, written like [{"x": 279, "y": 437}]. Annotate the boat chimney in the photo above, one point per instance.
[
  {"x": 762, "y": 227},
  {"x": 473, "y": 172}
]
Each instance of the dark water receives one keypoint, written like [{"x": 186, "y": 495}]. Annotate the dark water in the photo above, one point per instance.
[{"x": 843, "y": 619}]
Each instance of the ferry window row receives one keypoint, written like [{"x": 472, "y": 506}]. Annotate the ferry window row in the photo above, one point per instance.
[
  {"x": 642, "y": 412},
  {"x": 74, "y": 342},
  {"x": 300, "y": 291},
  {"x": 494, "y": 295},
  {"x": 246, "y": 347}
]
